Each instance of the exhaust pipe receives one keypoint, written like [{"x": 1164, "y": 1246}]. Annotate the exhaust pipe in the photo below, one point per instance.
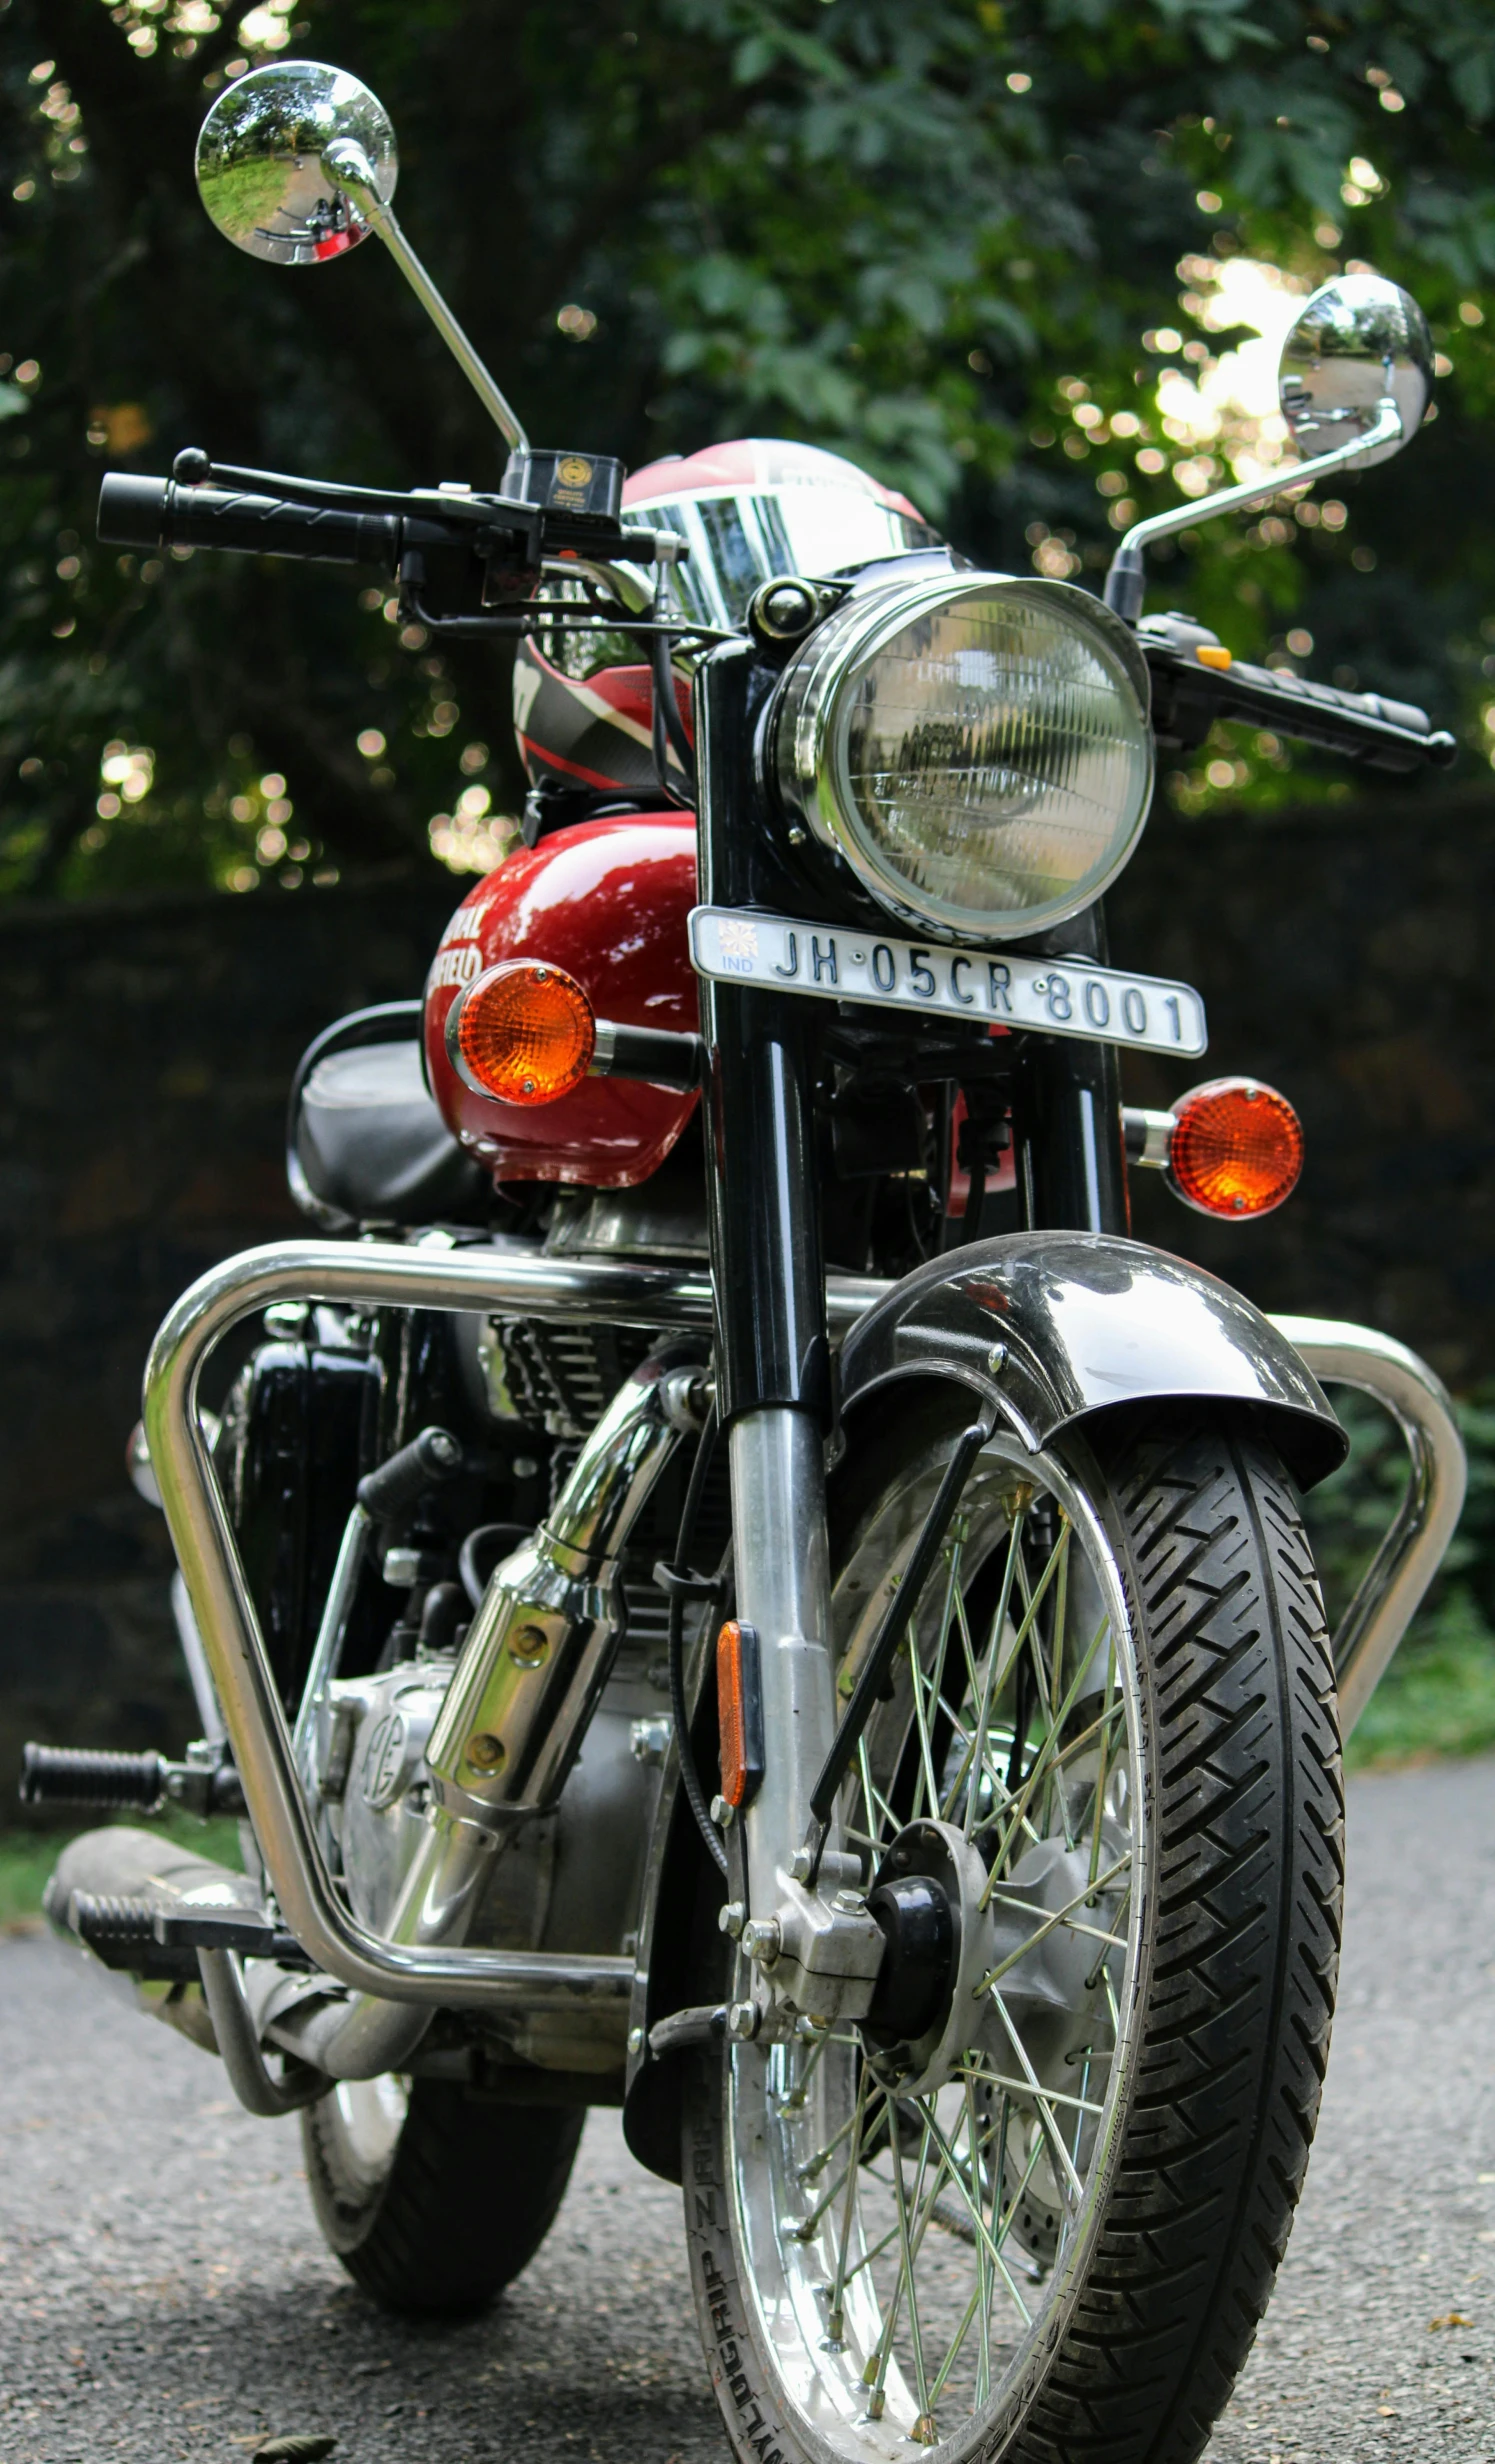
[{"x": 536, "y": 1658}]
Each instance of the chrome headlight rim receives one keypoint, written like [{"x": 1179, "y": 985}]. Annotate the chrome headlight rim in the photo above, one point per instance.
[{"x": 806, "y": 745}]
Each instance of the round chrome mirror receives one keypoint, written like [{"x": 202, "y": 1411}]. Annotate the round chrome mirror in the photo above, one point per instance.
[
  {"x": 1358, "y": 340},
  {"x": 259, "y": 161}
]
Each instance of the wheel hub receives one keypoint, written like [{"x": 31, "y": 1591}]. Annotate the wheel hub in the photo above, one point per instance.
[{"x": 926, "y": 1898}]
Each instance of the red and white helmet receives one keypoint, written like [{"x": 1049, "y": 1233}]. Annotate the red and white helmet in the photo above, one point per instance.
[{"x": 748, "y": 510}]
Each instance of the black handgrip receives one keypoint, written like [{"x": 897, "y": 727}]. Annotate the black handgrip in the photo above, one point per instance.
[
  {"x": 402, "y": 1482},
  {"x": 157, "y": 513},
  {"x": 1333, "y": 699},
  {"x": 1188, "y": 697}
]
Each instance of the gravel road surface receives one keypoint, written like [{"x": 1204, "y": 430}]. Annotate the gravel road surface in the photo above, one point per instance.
[{"x": 163, "y": 2292}]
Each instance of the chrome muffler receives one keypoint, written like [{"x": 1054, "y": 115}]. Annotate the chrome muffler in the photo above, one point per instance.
[
  {"x": 538, "y": 1652},
  {"x": 537, "y": 1656}
]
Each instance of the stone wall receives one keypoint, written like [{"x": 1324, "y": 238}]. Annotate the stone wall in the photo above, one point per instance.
[{"x": 1346, "y": 955}]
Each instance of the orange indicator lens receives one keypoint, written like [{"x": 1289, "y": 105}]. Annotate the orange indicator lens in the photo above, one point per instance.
[
  {"x": 739, "y": 1710},
  {"x": 1237, "y": 1148},
  {"x": 526, "y": 1032}
]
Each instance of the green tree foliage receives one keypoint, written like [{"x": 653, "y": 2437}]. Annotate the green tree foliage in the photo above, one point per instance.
[{"x": 960, "y": 241}]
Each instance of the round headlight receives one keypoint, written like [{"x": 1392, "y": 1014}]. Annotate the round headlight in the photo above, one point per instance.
[{"x": 978, "y": 750}]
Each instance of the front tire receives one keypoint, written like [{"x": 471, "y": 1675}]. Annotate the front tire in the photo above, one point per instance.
[
  {"x": 432, "y": 2200},
  {"x": 892, "y": 2245}
]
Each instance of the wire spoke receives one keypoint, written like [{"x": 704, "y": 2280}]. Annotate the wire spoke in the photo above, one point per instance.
[
  {"x": 977, "y": 2219},
  {"x": 1057, "y": 1917},
  {"x": 1100, "y": 1773},
  {"x": 1048, "y": 1748},
  {"x": 1024, "y": 2087},
  {"x": 983, "y": 1715},
  {"x": 924, "y": 2426},
  {"x": 843, "y": 2247},
  {"x": 1039, "y": 2094},
  {"x": 874, "y": 1802}
]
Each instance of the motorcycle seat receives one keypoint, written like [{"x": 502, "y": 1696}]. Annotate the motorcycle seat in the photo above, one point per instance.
[{"x": 365, "y": 1142}]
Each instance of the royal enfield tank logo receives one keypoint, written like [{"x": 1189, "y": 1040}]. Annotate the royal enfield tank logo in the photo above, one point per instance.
[
  {"x": 385, "y": 1761},
  {"x": 457, "y": 964}
]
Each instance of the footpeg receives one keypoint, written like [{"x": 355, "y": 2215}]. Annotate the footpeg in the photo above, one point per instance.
[
  {"x": 136, "y": 1933},
  {"x": 130, "y": 1783}
]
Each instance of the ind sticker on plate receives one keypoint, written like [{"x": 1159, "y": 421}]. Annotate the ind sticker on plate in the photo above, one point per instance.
[{"x": 1050, "y": 996}]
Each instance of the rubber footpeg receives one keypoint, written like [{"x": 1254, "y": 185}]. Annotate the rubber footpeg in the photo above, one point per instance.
[
  {"x": 119, "y": 1929},
  {"x": 113, "y": 1783},
  {"x": 115, "y": 1918},
  {"x": 128, "y": 1930}
]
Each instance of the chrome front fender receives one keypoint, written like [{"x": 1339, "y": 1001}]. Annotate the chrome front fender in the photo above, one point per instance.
[{"x": 1055, "y": 1326}]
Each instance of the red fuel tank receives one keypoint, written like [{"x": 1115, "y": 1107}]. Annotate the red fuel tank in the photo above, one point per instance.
[{"x": 608, "y": 901}]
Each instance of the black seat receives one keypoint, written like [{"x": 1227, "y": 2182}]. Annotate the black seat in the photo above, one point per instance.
[{"x": 364, "y": 1140}]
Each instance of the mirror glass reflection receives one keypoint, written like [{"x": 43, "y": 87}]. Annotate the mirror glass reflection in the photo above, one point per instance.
[
  {"x": 259, "y": 160},
  {"x": 1358, "y": 339}
]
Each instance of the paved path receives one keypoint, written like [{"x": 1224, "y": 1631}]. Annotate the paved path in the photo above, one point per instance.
[{"x": 163, "y": 2292}]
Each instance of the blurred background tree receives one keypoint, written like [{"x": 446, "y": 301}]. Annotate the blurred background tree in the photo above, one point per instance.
[{"x": 1017, "y": 259}]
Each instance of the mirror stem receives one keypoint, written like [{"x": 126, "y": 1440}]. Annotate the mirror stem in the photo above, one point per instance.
[
  {"x": 1126, "y": 582},
  {"x": 350, "y": 170}
]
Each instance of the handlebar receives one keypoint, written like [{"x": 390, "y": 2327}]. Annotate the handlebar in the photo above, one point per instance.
[
  {"x": 1195, "y": 682},
  {"x": 472, "y": 552},
  {"x": 157, "y": 513}
]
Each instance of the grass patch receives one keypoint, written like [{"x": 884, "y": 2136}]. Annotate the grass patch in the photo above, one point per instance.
[
  {"x": 27, "y": 1858},
  {"x": 1438, "y": 1695}
]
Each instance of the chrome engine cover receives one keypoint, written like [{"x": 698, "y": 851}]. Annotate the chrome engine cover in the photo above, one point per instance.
[{"x": 564, "y": 1880}]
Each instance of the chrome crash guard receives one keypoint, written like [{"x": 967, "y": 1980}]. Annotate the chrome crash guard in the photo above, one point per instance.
[{"x": 383, "y": 1275}]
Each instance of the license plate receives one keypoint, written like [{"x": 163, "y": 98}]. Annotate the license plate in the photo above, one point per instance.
[{"x": 1052, "y": 996}]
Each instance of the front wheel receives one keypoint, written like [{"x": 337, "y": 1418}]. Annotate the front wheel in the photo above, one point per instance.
[{"x": 1034, "y": 2207}]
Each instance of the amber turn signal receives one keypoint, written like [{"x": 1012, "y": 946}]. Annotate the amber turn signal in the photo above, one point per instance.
[
  {"x": 739, "y": 1704},
  {"x": 523, "y": 1031},
  {"x": 1236, "y": 1148}
]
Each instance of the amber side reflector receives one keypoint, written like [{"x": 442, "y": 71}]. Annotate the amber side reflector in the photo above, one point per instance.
[
  {"x": 524, "y": 1032},
  {"x": 1213, "y": 654},
  {"x": 739, "y": 1703},
  {"x": 1236, "y": 1148}
]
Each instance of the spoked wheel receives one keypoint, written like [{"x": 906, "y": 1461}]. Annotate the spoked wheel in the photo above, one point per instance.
[{"x": 1033, "y": 2205}]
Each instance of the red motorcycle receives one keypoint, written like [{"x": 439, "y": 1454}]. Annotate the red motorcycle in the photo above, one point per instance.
[{"x": 730, "y": 1585}]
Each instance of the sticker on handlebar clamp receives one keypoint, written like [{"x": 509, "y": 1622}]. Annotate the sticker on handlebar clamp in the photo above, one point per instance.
[{"x": 1047, "y": 996}]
